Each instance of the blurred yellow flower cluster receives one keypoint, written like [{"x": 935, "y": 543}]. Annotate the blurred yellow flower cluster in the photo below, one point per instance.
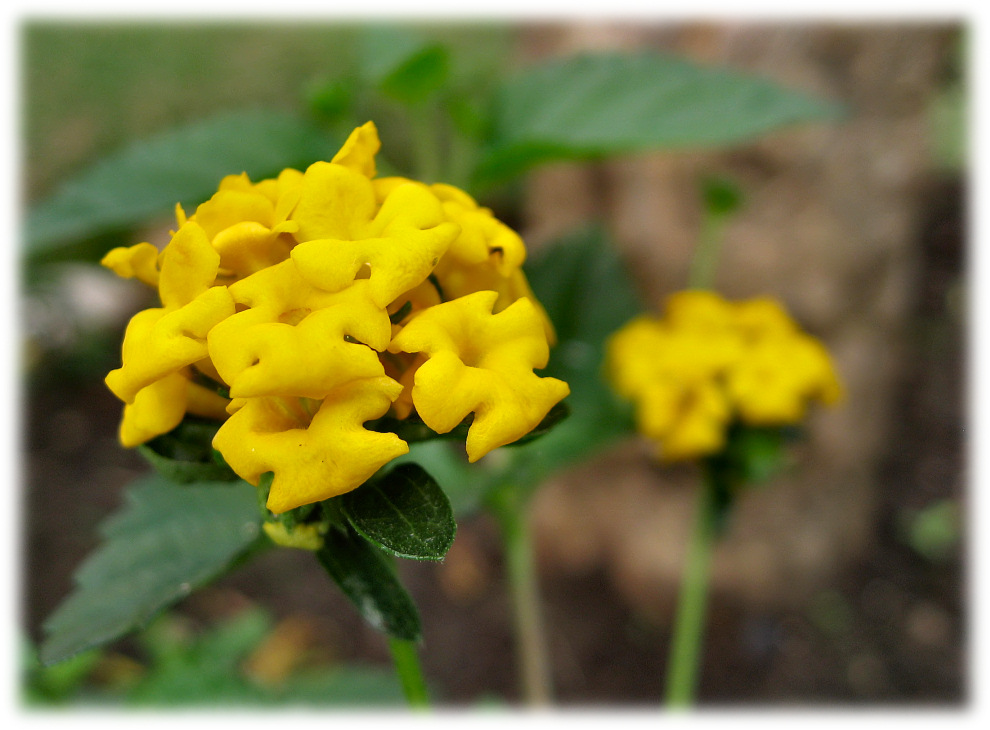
[
  {"x": 708, "y": 361},
  {"x": 320, "y": 300}
]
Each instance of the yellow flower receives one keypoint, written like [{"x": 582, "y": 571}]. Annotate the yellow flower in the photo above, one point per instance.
[
  {"x": 244, "y": 226},
  {"x": 135, "y": 262},
  {"x": 709, "y": 361},
  {"x": 486, "y": 255},
  {"x": 314, "y": 457},
  {"x": 297, "y": 341},
  {"x": 322, "y": 299},
  {"x": 160, "y": 343},
  {"x": 482, "y": 363}
]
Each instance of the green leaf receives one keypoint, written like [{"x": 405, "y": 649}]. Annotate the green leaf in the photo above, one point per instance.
[
  {"x": 183, "y": 165},
  {"x": 462, "y": 483},
  {"x": 168, "y": 540},
  {"x": 721, "y": 197},
  {"x": 367, "y": 579},
  {"x": 593, "y": 105},
  {"x": 404, "y": 512},
  {"x": 588, "y": 294},
  {"x": 185, "y": 454},
  {"x": 403, "y": 64}
]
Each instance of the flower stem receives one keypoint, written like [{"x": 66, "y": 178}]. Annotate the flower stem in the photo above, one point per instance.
[
  {"x": 683, "y": 662},
  {"x": 426, "y": 145},
  {"x": 705, "y": 260},
  {"x": 510, "y": 508},
  {"x": 410, "y": 673}
]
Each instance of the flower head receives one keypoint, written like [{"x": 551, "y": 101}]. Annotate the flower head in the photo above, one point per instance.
[
  {"x": 297, "y": 309},
  {"x": 709, "y": 361}
]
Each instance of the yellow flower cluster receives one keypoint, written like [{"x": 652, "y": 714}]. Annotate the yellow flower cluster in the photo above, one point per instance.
[
  {"x": 320, "y": 300},
  {"x": 709, "y": 361}
]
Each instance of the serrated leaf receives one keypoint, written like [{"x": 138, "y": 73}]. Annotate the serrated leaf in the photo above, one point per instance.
[
  {"x": 404, "y": 512},
  {"x": 463, "y": 483},
  {"x": 168, "y": 540},
  {"x": 183, "y": 165},
  {"x": 600, "y": 104},
  {"x": 369, "y": 582}
]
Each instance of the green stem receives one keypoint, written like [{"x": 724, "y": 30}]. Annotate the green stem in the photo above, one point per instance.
[
  {"x": 410, "y": 673},
  {"x": 534, "y": 667},
  {"x": 705, "y": 261},
  {"x": 426, "y": 143},
  {"x": 682, "y": 668}
]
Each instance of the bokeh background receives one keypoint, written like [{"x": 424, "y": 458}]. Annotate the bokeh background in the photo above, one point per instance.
[{"x": 843, "y": 581}]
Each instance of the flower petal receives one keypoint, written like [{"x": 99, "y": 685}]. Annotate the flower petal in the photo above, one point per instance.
[
  {"x": 135, "y": 262},
  {"x": 154, "y": 410},
  {"x": 333, "y": 455},
  {"x": 405, "y": 241},
  {"x": 189, "y": 266},
  {"x": 258, "y": 356},
  {"x": 358, "y": 152},
  {"x": 161, "y": 341},
  {"x": 333, "y": 202},
  {"x": 483, "y": 363}
]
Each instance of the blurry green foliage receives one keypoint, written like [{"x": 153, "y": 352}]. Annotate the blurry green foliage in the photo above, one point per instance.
[
  {"x": 934, "y": 531},
  {"x": 950, "y": 112},
  {"x": 145, "y": 180},
  {"x": 182, "y": 667},
  {"x": 831, "y": 612}
]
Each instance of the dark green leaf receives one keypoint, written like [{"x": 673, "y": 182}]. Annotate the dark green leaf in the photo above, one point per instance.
[
  {"x": 183, "y": 165},
  {"x": 462, "y": 482},
  {"x": 369, "y": 582},
  {"x": 760, "y": 452},
  {"x": 588, "y": 294},
  {"x": 604, "y": 104},
  {"x": 404, "y": 512},
  {"x": 722, "y": 197},
  {"x": 167, "y": 541},
  {"x": 185, "y": 454}
]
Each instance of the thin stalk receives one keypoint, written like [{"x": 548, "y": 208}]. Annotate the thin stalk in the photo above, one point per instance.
[
  {"x": 410, "y": 673},
  {"x": 461, "y": 160},
  {"x": 689, "y": 625},
  {"x": 426, "y": 143},
  {"x": 534, "y": 667},
  {"x": 705, "y": 261}
]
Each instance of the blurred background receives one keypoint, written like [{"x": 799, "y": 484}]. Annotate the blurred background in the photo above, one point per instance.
[{"x": 843, "y": 581}]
